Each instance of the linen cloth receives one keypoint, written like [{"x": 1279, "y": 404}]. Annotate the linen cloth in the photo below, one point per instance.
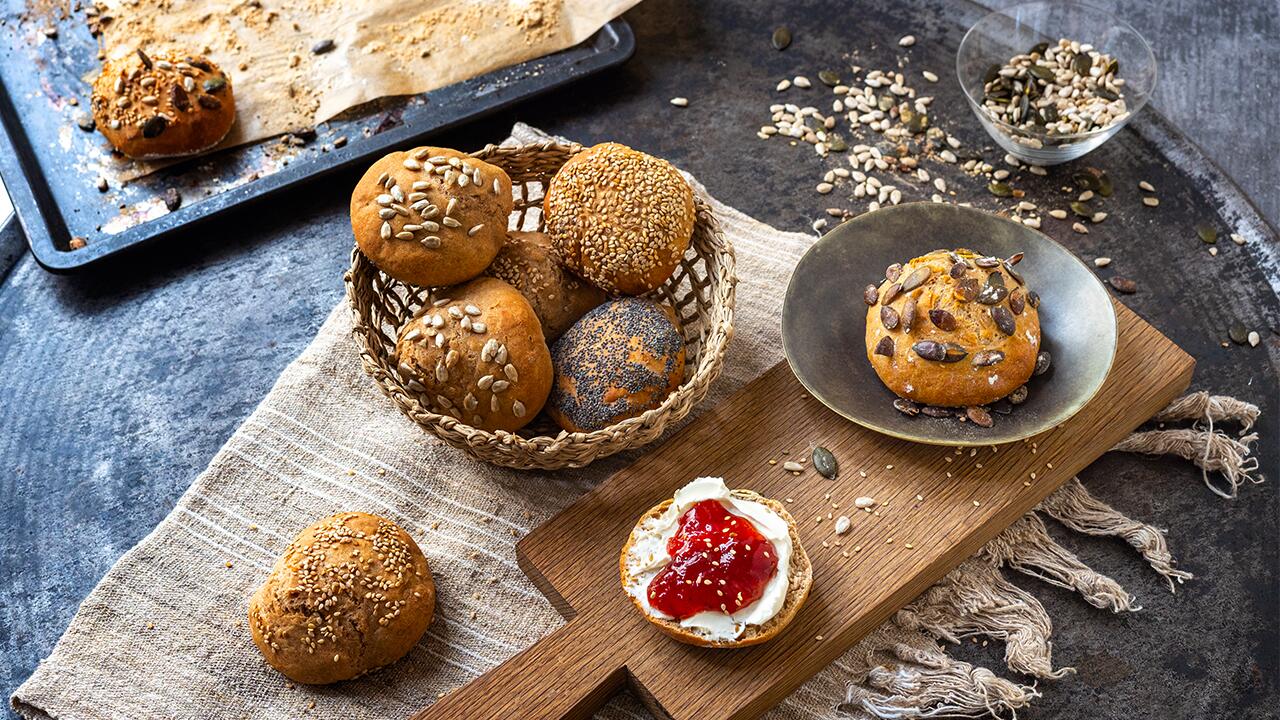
[{"x": 164, "y": 633}]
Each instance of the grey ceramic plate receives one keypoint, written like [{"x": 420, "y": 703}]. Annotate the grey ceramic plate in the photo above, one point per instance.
[{"x": 824, "y": 319}]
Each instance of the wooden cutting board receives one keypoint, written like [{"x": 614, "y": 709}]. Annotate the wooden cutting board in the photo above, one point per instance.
[{"x": 967, "y": 500}]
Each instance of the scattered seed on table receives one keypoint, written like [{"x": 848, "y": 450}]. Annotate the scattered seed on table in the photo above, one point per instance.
[
  {"x": 1254, "y": 338},
  {"x": 864, "y": 502},
  {"x": 824, "y": 188},
  {"x": 929, "y": 76},
  {"x": 1101, "y": 262},
  {"x": 781, "y": 38},
  {"x": 792, "y": 466},
  {"x": 1123, "y": 284},
  {"x": 680, "y": 102},
  {"x": 1146, "y": 186},
  {"x": 322, "y": 47},
  {"x": 102, "y": 184},
  {"x": 1150, "y": 201},
  {"x": 801, "y": 81},
  {"x": 1237, "y": 238},
  {"x": 783, "y": 85},
  {"x": 1080, "y": 228},
  {"x": 842, "y": 525},
  {"x": 1059, "y": 214}
]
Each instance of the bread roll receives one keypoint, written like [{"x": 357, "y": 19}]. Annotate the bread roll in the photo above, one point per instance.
[
  {"x": 620, "y": 218},
  {"x": 478, "y": 354},
  {"x": 431, "y": 216},
  {"x": 529, "y": 264},
  {"x": 953, "y": 329},
  {"x": 350, "y": 594},
  {"x": 163, "y": 104},
  {"x": 646, "y": 554},
  {"x": 619, "y": 360}
]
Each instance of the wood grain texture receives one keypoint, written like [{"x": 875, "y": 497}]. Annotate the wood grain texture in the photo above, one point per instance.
[{"x": 968, "y": 498}]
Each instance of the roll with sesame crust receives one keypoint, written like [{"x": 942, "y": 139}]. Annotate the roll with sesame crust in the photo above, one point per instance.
[
  {"x": 350, "y": 594},
  {"x": 619, "y": 360},
  {"x": 531, "y": 265},
  {"x": 162, "y": 105},
  {"x": 620, "y": 218},
  {"x": 431, "y": 216}
]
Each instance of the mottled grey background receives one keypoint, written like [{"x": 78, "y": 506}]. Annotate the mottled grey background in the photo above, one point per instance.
[{"x": 118, "y": 386}]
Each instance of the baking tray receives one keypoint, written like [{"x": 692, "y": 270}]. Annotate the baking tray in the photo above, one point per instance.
[{"x": 51, "y": 166}]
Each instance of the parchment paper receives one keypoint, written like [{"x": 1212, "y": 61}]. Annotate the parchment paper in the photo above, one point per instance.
[{"x": 380, "y": 47}]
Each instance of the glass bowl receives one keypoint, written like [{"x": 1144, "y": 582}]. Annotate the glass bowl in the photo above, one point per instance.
[{"x": 1015, "y": 30}]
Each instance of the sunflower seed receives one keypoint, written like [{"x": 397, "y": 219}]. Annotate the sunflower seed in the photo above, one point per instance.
[
  {"x": 442, "y": 372},
  {"x": 517, "y": 408},
  {"x": 1254, "y": 338},
  {"x": 1151, "y": 201},
  {"x": 1146, "y": 186},
  {"x": 478, "y": 327},
  {"x": 385, "y": 231},
  {"x": 500, "y": 385},
  {"x": 863, "y": 502},
  {"x": 842, "y": 525},
  {"x": 500, "y": 356},
  {"x": 907, "y": 40},
  {"x": 1058, "y": 214},
  {"x": 1101, "y": 262},
  {"x": 510, "y": 371},
  {"x": 792, "y": 466},
  {"x": 677, "y": 101}
]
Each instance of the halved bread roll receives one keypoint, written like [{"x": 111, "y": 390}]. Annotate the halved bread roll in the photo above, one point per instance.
[{"x": 799, "y": 579}]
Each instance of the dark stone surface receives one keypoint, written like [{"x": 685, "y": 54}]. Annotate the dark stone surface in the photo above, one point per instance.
[{"x": 119, "y": 386}]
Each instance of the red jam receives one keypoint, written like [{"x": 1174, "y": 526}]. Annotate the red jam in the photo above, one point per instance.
[{"x": 719, "y": 562}]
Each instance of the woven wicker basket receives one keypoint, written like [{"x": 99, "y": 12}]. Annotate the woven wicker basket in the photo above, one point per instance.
[{"x": 701, "y": 290}]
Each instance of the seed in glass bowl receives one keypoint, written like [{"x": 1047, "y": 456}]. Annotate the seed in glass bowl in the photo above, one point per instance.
[{"x": 1060, "y": 89}]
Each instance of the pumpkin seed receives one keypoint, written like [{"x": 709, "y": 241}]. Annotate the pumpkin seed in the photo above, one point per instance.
[
  {"x": 967, "y": 289},
  {"x": 1207, "y": 233},
  {"x": 1038, "y": 49},
  {"x": 870, "y": 295},
  {"x": 1019, "y": 395},
  {"x": 979, "y": 416},
  {"x": 781, "y": 38},
  {"x": 1016, "y": 302},
  {"x": 1033, "y": 299},
  {"x": 1081, "y": 209},
  {"x": 959, "y": 270},
  {"x": 1004, "y": 319},
  {"x": 1081, "y": 63},
  {"x": 885, "y": 347},
  {"x": 1123, "y": 284},
  {"x": 1015, "y": 258},
  {"x": 825, "y": 463},
  {"x": 934, "y": 411},
  {"x": 996, "y": 278},
  {"x": 1000, "y": 189},
  {"x": 930, "y": 350},
  {"x": 908, "y": 314},
  {"x": 835, "y": 143},
  {"x": 892, "y": 272},
  {"x": 987, "y": 262},
  {"x": 906, "y": 407},
  {"x": 829, "y": 78},
  {"x": 154, "y": 126},
  {"x": 1043, "y": 361},
  {"x": 890, "y": 293},
  {"x": 1238, "y": 332},
  {"x": 1002, "y": 407},
  {"x": 987, "y": 358},
  {"x": 992, "y": 294},
  {"x": 889, "y": 317},
  {"x": 214, "y": 84},
  {"x": 1014, "y": 273},
  {"x": 942, "y": 319},
  {"x": 1041, "y": 72},
  {"x": 916, "y": 278}
]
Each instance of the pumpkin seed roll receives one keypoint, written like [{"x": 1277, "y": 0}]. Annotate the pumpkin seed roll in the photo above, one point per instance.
[{"x": 953, "y": 328}]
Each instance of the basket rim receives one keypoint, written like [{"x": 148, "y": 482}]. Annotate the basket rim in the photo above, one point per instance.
[{"x": 717, "y": 333}]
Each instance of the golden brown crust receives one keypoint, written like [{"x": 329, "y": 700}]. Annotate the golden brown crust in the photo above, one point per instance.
[
  {"x": 620, "y": 218},
  {"x": 492, "y": 369},
  {"x": 350, "y": 594},
  {"x": 529, "y": 263},
  {"x": 163, "y": 104},
  {"x": 961, "y": 383},
  {"x": 799, "y": 582},
  {"x": 431, "y": 216},
  {"x": 619, "y": 360}
]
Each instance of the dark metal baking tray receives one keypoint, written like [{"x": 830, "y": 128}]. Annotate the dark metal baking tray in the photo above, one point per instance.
[{"x": 51, "y": 166}]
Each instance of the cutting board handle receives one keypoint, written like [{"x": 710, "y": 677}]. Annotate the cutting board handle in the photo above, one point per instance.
[{"x": 570, "y": 673}]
